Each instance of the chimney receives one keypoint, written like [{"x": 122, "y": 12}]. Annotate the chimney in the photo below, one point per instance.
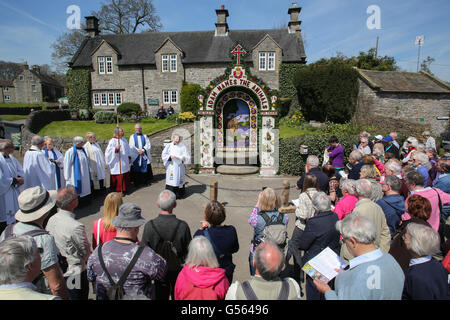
[
  {"x": 222, "y": 25},
  {"x": 36, "y": 69},
  {"x": 92, "y": 26},
  {"x": 294, "y": 24},
  {"x": 25, "y": 66}
]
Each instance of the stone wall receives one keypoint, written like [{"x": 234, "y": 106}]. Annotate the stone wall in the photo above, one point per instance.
[
  {"x": 23, "y": 88},
  {"x": 417, "y": 110}
]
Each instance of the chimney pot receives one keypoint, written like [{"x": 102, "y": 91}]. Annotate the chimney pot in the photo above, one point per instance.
[
  {"x": 92, "y": 26},
  {"x": 223, "y": 7},
  {"x": 222, "y": 25}
]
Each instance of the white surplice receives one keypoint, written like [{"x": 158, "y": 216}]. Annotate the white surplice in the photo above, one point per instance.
[
  {"x": 175, "y": 168},
  {"x": 112, "y": 158},
  {"x": 59, "y": 158},
  {"x": 97, "y": 162},
  {"x": 69, "y": 173},
  {"x": 38, "y": 170},
  {"x": 11, "y": 169},
  {"x": 136, "y": 147}
]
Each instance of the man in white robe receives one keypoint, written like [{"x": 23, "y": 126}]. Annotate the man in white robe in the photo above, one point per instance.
[
  {"x": 141, "y": 170},
  {"x": 13, "y": 179},
  {"x": 175, "y": 156},
  {"x": 37, "y": 168},
  {"x": 97, "y": 162},
  {"x": 76, "y": 170},
  {"x": 57, "y": 160},
  {"x": 118, "y": 158}
]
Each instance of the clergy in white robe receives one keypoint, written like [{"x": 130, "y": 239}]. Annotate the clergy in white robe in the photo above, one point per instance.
[
  {"x": 118, "y": 158},
  {"x": 97, "y": 162},
  {"x": 175, "y": 156},
  {"x": 76, "y": 168},
  {"x": 38, "y": 170},
  {"x": 57, "y": 160},
  {"x": 13, "y": 180},
  {"x": 140, "y": 146}
]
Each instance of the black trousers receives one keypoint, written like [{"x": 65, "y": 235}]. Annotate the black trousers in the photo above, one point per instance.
[
  {"x": 179, "y": 192},
  {"x": 166, "y": 289},
  {"x": 78, "y": 286},
  {"x": 2, "y": 226},
  {"x": 140, "y": 178}
]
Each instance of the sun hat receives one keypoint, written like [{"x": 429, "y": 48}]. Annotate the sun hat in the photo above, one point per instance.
[
  {"x": 379, "y": 137},
  {"x": 129, "y": 216},
  {"x": 34, "y": 203}
]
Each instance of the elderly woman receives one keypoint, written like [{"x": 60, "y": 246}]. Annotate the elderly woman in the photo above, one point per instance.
[
  {"x": 419, "y": 208},
  {"x": 430, "y": 142},
  {"x": 223, "y": 238},
  {"x": 201, "y": 278},
  {"x": 57, "y": 159},
  {"x": 97, "y": 163},
  {"x": 411, "y": 145},
  {"x": 265, "y": 210},
  {"x": 348, "y": 201},
  {"x": 175, "y": 156},
  {"x": 364, "y": 146},
  {"x": 320, "y": 232},
  {"x": 422, "y": 164},
  {"x": 425, "y": 278},
  {"x": 369, "y": 172}
]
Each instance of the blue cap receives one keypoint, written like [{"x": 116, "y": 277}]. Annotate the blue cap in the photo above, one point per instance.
[{"x": 388, "y": 139}]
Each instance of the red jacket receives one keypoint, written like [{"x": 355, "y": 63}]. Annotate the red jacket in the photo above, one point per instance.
[{"x": 201, "y": 277}]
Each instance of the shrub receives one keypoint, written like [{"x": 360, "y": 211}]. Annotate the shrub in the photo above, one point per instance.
[
  {"x": 78, "y": 88},
  {"x": 129, "y": 108},
  {"x": 105, "y": 117},
  {"x": 327, "y": 93},
  {"x": 172, "y": 118},
  {"x": 189, "y": 97},
  {"x": 186, "y": 117},
  {"x": 39, "y": 119}
]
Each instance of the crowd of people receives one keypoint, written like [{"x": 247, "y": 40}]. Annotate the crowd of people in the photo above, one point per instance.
[{"x": 385, "y": 213}]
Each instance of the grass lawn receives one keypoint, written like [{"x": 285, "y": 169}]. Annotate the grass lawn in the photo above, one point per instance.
[
  {"x": 12, "y": 117},
  {"x": 70, "y": 129},
  {"x": 15, "y": 105},
  {"x": 289, "y": 132}
]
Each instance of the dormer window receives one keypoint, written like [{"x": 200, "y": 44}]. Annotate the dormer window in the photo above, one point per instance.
[
  {"x": 169, "y": 63},
  {"x": 105, "y": 65},
  {"x": 267, "y": 61}
]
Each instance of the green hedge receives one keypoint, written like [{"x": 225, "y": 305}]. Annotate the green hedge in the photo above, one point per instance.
[
  {"x": 327, "y": 93},
  {"x": 287, "y": 87},
  {"x": 293, "y": 163},
  {"x": 78, "y": 88},
  {"x": 39, "y": 119},
  {"x": 189, "y": 97},
  {"x": 129, "y": 108}
]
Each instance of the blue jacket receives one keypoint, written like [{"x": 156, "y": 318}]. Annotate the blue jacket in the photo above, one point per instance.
[
  {"x": 320, "y": 232},
  {"x": 393, "y": 207}
]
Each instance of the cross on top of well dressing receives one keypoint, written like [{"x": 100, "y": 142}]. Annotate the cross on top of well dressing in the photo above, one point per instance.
[{"x": 238, "y": 51}]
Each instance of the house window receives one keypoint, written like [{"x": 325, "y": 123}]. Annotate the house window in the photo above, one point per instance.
[
  {"x": 6, "y": 89},
  {"x": 21, "y": 78},
  {"x": 173, "y": 63},
  {"x": 170, "y": 97},
  {"x": 7, "y": 98},
  {"x": 165, "y": 63},
  {"x": 101, "y": 65},
  {"x": 104, "y": 102},
  {"x": 267, "y": 61},
  {"x": 96, "y": 99},
  {"x": 33, "y": 88},
  {"x": 111, "y": 99},
  {"x": 109, "y": 66},
  {"x": 118, "y": 98}
]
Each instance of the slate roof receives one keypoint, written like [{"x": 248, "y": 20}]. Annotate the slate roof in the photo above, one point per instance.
[
  {"x": 46, "y": 79},
  {"x": 6, "y": 83},
  {"x": 407, "y": 82},
  {"x": 197, "y": 46}
]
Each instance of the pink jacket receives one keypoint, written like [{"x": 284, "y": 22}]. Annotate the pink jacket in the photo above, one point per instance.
[
  {"x": 202, "y": 277},
  {"x": 345, "y": 206},
  {"x": 431, "y": 195}
]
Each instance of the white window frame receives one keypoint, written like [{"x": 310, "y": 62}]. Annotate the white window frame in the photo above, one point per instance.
[
  {"x": 109, "y": 65},
  {"x": 33, "y": 88},
  {"x": 5, "y": 89},
  {"x": 118, "y": 98},
  {"x": 166, "y": 96},
  {"x": 262, "y": 61},
  {"x": 96, "y": 99},
  {"x": 101, "y": 65},
  {"x": 7, "y": 98},
  {"x": 104, "y": 102},
  {"x": 170, "y": 96},
  {"x": 165, "y": 63},
  {"x": 271, "y": 61},
  {"x": 173, "y": 63},
  {"x": 266, "y": 61},
  {"x": 113, "y": 101}
]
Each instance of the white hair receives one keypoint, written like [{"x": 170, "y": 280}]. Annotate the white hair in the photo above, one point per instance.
[
  {"x": 348, "y": 184},
  {"x": 78, "y": 140},
  {"x": 394, "y": 167},
  {"x": 167, "y": 200},
  {"x": 363, "y": 188},
  {"x": 37, "y": 140},
  {"x": 313, "y": 161},
  {"x": 201, "y": 253},
  {"x": 177, "y": 135},
  {"x": 356, "y": 155},
  {"x": 15, "y": 255},
  {"x": 424, "y": 240},
  {"x": 321, "y": 202},
  {"x": 357, "y": 227},
  {"x": 421, "y": 157},
  {"x": 413, "y": 141}
]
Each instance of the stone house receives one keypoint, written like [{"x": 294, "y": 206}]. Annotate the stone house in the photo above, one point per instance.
[
  {"x": 414, "y": 98},
  {"x": 7, "y": 91},
  {"x": 32, "y": 86},
  {"x": 149, "y": 68}
]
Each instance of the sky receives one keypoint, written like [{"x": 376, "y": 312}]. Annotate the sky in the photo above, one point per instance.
[{"x": 29, "y": 27}]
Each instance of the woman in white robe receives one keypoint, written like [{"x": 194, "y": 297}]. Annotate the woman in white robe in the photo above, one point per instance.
[
  {"x": 38, "y": 170},
  {"x": 175, "y": 156},
  {"x": 120, "y": 170},
  {"x": 57, "y": 160},
  {"x": 70, "y": 174},
  {"x": 97, "y": 162}
]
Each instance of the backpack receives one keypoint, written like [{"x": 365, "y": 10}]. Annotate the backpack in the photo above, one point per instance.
[
  {"x": 275, "y": 230},
  {"x": 116, "y": 291},
  {"x": 195, "y": 293},
  {"x": 250, "y": 294},
  {"x": 167, "y": 250}
]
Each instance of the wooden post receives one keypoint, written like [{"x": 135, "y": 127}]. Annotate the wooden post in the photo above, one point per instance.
[
  {"x": 285, "y": 193},
  {"x": 214, "y": 188}
]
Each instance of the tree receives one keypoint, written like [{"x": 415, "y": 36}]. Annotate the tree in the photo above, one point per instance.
[
  {"x": 65, "y": 47},
  {"x": 425, "y": 66},
  {"x": 9, "y": 70},
  {"x": 128, "y": 16}
]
